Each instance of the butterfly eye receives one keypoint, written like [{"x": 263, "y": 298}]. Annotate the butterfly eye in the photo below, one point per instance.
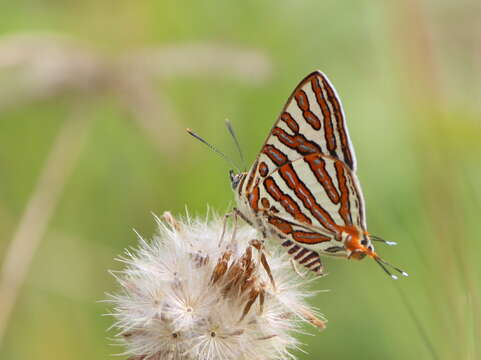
[{"x": 364, "y": 242}]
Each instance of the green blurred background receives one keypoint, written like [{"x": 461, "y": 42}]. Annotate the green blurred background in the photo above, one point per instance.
[{"x": 94, "y": 99}]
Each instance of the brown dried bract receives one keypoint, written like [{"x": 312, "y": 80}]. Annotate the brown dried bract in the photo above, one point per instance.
[
  {"x": 314, "y": 320},
  {"x": 169, "y": 218},
  {"x": 251, "y": 299},
  {"x": 221, "y": 267},
  {"x": 239, "y": 278}
]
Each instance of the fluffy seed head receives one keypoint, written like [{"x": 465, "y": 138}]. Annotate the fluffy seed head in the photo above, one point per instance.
[{"x": 204, "y": 291}]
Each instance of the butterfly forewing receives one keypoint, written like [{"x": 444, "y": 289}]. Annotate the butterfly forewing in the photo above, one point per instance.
[{"x": 312, "y": 121}]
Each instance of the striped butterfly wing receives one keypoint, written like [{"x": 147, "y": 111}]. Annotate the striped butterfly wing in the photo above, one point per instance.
[
  {"x": 304, "y": 179},
  {"x": 312, "y": 121},
  {"x": 311, "y": 200}
]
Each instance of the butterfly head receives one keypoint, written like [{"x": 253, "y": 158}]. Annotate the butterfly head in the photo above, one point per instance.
[{"x": 235, "y": 179}]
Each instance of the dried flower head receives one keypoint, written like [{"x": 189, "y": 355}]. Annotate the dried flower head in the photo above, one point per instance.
[{"x": 203, "y": 291}]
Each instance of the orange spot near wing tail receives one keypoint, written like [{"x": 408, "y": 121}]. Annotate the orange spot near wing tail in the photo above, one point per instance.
[{"x": 359, "y": 252}]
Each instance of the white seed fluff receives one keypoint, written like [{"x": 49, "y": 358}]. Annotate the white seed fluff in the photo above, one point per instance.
[{"x": 199, "y": 292}]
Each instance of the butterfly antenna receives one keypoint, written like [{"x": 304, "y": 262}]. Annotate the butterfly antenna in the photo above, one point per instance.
[
  {"x": 384, "y": 263},
  {"x": 229, "y": 126},
  {"x": 213, "y": 148},
  {"x": 379, "y": 239},
  {"x": 378, "y": 260},
  {"x": 402, "y": 272}
]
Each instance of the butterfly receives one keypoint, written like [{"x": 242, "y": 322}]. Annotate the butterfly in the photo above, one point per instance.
[{"x": 302, "y": 189}]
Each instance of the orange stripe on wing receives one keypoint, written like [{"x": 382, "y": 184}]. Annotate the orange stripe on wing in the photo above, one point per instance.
[
  {"x": 253, "y": 198},
  {"x": 318, "y": 167},
  {"x": 265, "y": 203},
  {"x": 300, "y": 236},
  {"x": 309, "y": 237},
  {"x": 281, "y": 225},
  {"x": 251, "y": 177},
  {"x": 297, "y": 142},
  {"x": 263, "y": 169},
  {"x": 304, "y": 194},
  {"x": 344, "y": 210},
  {"x": 288, "y": 119},
  {"x": 326, "y": 114},
  {"x": 275, "y": 155},
  {"x": 332, "y": 98},
  {"x": 285, "y": 200},
  {"x": 303, "y": 103}
]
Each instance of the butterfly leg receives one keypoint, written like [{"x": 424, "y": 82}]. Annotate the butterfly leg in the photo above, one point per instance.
[
  {"x": 259, "y": 245},
  {"x": 294, "y": 268},
  {"x": 320, "y": 272},
  {"x": 224, "y": 225},
  {"x": 234, "y": 229},
  {"x": 237, "y": 212},
  {"x": 234, "y": 214}
]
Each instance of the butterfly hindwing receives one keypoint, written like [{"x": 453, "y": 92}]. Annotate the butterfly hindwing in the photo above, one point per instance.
[{"x": 310, "y": 199}]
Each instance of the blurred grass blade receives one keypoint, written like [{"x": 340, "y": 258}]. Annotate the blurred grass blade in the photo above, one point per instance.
[{"x": 41, "y": 205}]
